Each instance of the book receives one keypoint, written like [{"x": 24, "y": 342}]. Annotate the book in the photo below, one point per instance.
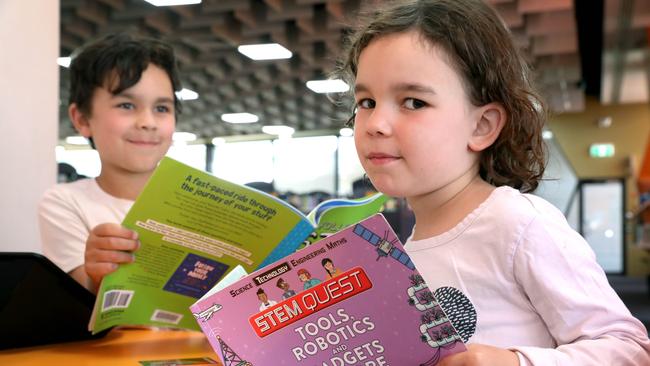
[
  {"x": 354, "y": 298},
  {"x": 194, "y": 228}
]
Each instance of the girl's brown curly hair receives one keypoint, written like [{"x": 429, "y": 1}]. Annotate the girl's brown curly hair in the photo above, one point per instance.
[{"x": 481, "y": 49}]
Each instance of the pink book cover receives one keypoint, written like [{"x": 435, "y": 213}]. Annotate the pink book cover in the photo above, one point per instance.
[{"x": 353, "y": 298}]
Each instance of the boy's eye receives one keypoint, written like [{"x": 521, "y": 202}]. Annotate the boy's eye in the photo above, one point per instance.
[
  {"x": 412, "y": 103},
  {"x": 163, "y": 109},
  {"x": 126, "y": 106},
  {"x": 366, "y": 103}
]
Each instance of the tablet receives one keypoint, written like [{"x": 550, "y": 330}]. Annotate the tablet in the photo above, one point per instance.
[{"x": 40, "y": 304}]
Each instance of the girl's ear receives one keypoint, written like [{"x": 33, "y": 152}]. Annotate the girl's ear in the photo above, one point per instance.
[
  {"x": 491, "y": 120},
  {"x": 79, "y": 120}
]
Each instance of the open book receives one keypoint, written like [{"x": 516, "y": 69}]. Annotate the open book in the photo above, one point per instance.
[
  {"x": 194, "y": 228},
  {"x": 353, "y": 298}
]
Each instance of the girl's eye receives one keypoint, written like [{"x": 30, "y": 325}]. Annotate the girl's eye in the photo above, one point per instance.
[
  {"x": 412, "y": 103},
  {"x": 366, "y": 103},
  {"x": 350, "y": 121}
]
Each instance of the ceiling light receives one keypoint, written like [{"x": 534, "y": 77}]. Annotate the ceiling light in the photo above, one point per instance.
[
  {"x": 267, "y": 51},
  {"x": 64, "y": 61},
  {"x": 547, "y": 135},
  {"x": 239, "y": 117},
  {"x": 217, "y": 141},
  {"x": 76, "y": 140},
  {"x": 346, "y": 132},
  {"x": 328, "y": 86},
  {"x": 187, "y": 94},
  {"x": 172, "y": 2},
  {"x": 604, "y": 122},
  {"x": 278, "y": 130},
  {"x": 183, "y": 137}
]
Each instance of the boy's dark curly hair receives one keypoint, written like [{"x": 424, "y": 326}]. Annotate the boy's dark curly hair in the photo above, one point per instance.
[{"x": 117, "y": 61}]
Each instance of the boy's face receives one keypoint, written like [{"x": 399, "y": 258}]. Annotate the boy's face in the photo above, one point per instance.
[
  {"x": 414, "y": 119},
  {"x": 132, "y": 130}
]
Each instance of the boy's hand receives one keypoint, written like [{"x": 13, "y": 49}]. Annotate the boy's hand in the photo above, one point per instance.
[
  {"x": 482, "y": 355},
  {"x": 106, "y": 247}
]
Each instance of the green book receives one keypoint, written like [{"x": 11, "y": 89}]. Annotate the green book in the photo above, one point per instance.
[{"x": 194, "y": 228}]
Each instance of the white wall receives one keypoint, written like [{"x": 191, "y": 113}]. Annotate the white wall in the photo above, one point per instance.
[{"x": 29, "y": 79}]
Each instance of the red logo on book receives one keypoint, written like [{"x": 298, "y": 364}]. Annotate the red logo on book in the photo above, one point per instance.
[{"x": 319, "y": 297}]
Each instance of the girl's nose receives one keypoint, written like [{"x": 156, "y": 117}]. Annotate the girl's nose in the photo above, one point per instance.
[{"x": 378, "y": 122}]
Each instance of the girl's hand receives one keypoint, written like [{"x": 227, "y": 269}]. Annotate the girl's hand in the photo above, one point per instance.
[
  {"x": 482, "y": 355},
  {"x": 107, "y": 246}
]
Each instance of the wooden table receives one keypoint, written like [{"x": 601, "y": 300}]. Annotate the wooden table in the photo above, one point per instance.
[{"x": 119, "y": 347}]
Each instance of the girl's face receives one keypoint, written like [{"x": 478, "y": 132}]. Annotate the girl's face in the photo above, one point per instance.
[
  {"x": 414, "y": 119},
  {"x": 132, "y": 130}
]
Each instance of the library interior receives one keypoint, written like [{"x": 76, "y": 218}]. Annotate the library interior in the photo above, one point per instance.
[{"x": 277, "y": 122}]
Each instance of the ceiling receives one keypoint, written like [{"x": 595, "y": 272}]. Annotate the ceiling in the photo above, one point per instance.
[{"x": 578, "y": 48}]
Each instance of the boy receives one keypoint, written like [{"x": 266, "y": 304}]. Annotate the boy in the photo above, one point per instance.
[{"x": 122, "y": 99}]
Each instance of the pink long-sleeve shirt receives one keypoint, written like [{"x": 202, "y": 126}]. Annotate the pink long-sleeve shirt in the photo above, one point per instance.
[{"x": 515, "y": 275}]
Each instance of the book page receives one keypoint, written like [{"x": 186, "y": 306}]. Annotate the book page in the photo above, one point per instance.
[
  {"x": 193, "y": 228},
  {"x": 332, "y": 216}
]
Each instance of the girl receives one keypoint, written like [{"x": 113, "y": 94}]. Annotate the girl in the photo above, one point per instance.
[
  {"x": 329, "y": 267},
  {"x": 446, "y": 117}
]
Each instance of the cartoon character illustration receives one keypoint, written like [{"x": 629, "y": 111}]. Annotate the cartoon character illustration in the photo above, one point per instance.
[
  {"x": 329, "y": 267},
  {"x": 264, "y": 299},
  {"x": 284, "y": 285},
  {"x": 305, "y": 278}
]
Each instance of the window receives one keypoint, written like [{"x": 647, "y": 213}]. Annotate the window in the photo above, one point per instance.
[
  {"x": 192, "y": 155},
  {"x": 350, "y": 168},
  {"x": 85, "y": 161},
  {"x": 244, "y": 162},
  {"x": 305, "y": 164}
]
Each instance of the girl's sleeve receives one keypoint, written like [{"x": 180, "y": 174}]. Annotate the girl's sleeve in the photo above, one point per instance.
[
  {"x": 63, "y": 232},
  {"x": 558, "y": 271}
]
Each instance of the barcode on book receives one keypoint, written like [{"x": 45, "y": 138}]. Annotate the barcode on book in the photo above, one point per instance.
[
  {"x": 166, "y": 317},
  {"x": 116, "y": 299}
]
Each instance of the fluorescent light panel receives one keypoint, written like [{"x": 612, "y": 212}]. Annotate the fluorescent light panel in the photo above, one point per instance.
[
  {"x": 267, "y": 51},
  {"x": 64, "y": 61},
  {"x": 278, "y": 130},
  {"x": 217, "y": 141},
  {"x": 328, "y": 86},
  {"x": 187, "y": 94},
  {"x": 76, "y": 140},
  {"x": 346, "y": 132},
  {"x": 172, "y": 2},
  {"x": 239, "y": 117},
  {"x": 183, "y": 137}
]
